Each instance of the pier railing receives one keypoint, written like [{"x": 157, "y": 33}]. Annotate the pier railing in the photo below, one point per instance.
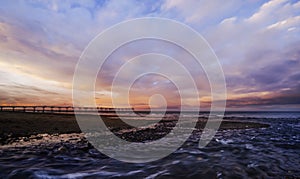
[{"x": 60, "y": 109}]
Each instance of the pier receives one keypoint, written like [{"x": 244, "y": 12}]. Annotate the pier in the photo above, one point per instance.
[{"x": 61, "y": 109}]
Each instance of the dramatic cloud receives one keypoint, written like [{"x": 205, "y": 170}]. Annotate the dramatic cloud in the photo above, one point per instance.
[{"x": 257, "y": 43}]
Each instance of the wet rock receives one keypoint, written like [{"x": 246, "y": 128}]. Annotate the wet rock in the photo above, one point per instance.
[
  {"x": 24, "y": 139},
  {"x": 62, "y": 149},
  {"x": 37, "y": 137},
  {"x": 9, "y": 135}
]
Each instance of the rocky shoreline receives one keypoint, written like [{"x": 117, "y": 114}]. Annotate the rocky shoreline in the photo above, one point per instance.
[{"x": 23, "y": 127}]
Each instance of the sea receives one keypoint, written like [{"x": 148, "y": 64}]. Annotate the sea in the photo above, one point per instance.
[{"x": 271, "y": 152}]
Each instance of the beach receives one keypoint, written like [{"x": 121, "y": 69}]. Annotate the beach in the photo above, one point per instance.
[
  {"x": 247, "y": 145},
  {"x": 14, "y": 125}
]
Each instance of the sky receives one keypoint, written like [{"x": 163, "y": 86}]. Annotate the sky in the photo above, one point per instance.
[{"x": 257, "y": 43}]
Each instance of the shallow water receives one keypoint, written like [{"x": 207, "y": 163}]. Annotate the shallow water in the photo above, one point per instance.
[{"x": 272, "y": 152}]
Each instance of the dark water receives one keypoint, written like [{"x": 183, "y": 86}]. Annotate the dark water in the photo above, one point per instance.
[{"x": 272, "y": 152}]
